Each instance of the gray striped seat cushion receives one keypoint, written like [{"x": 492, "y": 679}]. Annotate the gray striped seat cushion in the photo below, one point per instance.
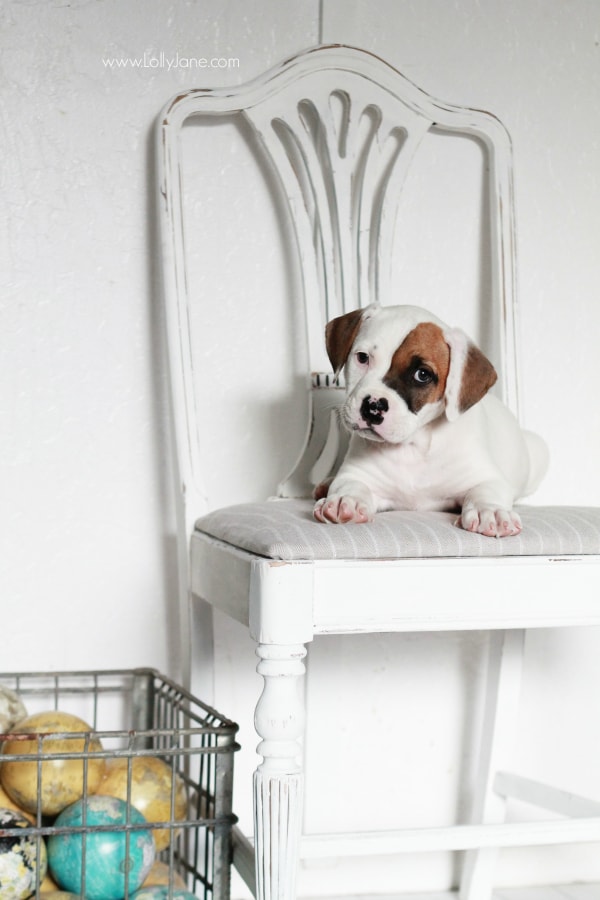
[{"x": 285, "y": 529}]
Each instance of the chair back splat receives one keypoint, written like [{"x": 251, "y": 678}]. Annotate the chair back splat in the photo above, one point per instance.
[{"x": 339, "y": 128}]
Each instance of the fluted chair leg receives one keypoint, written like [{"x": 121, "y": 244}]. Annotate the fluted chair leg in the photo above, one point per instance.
[{"x": 279, "y": 781}]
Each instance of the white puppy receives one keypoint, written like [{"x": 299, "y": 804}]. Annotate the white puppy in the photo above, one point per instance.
[{"x": 425, "y": 432}]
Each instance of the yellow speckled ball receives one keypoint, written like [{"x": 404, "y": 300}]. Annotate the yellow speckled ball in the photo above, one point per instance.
[
  {"x": 48, "y": 885},
  {"x": 160, "y": 874},
  {"x": 12, "y": 709},
  {"x": 151, "y": 783},
  {"x": 62, "y": 779},
  {"x": 58, "y": 895},
  {"x": 7, "y": 802}
]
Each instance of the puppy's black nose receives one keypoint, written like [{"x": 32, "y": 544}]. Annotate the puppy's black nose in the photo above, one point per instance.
[{"x": 372, "y": 410}]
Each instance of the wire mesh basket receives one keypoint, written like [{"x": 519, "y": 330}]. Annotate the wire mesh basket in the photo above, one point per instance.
[{"x": 96, "y": 750}]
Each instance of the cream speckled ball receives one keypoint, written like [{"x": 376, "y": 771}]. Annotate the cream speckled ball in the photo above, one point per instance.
[{"x": 12, "y": 709}]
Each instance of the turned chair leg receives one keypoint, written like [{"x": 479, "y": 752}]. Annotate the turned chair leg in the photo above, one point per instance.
[{"x": 279, "y": 780}]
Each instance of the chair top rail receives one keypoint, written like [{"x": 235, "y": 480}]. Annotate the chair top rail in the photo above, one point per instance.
[{"x": 339, "y": 58}]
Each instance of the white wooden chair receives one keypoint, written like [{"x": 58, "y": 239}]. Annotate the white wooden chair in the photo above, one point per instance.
[{"x": 287, "y": 578}]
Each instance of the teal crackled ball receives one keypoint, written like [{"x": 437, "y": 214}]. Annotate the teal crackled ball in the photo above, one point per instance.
[
  {"x": 19, "y": 858},
  {"x": 161, "y": 892},
  {"x": 107, "y": 862}
]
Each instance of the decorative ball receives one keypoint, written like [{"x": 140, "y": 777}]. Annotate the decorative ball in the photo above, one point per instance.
[
  {"x": 162, "y": 893},
  {"x": 58, "y": 895},
  {"x": 106, "y": 856},
  {"x": 151, "y": 786},
  {"x": 7, "y": 802},
  {"x": 12, "y": 709},
  {"x": 160, "y": 873},
  {"x": 47, "y": 885},
  {"x": 62, "y": 779},
  {"x": 19, "y": 860}
]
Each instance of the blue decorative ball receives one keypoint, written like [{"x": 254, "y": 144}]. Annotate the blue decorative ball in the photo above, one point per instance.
[
  {"x": 161, "y": 892},
  {"x": 19, "y": 859},
  {"x": 106, "y": 859}
]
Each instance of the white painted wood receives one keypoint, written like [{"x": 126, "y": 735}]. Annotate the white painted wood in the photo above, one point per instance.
[
  {"x": 486, "y": 600},
  {"x": 548, "y": 892},
  {"x": 544, "y": 795},
  {"x": 244, "y": 862},
  {"x": 452, "y": 837},
  {"x": 485, "y": 597},
  {"x": 325, "y": 444},
  {"x": 280, "y": 602},
  {"x": 243, "y": 857},
  {"x": 199, "y": 668},
  {"x": 278, "y": 781},
  {"x": 496, "y": 748},
  {"x": 560, "y": 892},
  {"x": 339, "y": 128}
]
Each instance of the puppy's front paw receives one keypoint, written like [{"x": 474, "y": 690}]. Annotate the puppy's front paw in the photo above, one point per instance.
[
  {"x": 341, "y": 510},
  {"x": 491, "y": 522}
]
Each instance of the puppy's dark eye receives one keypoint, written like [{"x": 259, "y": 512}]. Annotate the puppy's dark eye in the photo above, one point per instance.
[
  {"x": 362, "y": 358},
  {"x": 423, "y": 376}
]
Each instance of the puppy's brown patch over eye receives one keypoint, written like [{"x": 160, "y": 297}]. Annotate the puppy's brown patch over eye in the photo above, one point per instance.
[{"x": 420, "y": 366}]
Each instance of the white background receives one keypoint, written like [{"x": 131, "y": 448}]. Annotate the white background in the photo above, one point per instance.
[{"x": 86, "y": 533}]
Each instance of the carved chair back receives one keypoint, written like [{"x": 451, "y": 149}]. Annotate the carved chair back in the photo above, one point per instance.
[{"x": 339, "y": 128}]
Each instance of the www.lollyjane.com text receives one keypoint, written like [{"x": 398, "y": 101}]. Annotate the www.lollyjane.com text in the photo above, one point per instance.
[{"x": 162, "y": 61}]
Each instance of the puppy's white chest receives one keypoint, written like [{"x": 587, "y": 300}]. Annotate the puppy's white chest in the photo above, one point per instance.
[{"x": 406, "y": 476}]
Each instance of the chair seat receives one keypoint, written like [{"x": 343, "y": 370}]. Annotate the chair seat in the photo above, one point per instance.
[{"x": 286, "y": 530}]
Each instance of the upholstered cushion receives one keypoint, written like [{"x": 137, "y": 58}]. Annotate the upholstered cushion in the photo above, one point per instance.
[{"x": 285, "y": 529}]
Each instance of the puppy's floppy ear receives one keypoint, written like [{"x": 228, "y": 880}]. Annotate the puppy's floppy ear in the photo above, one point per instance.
[
  {"x": 470, "y": 377},
  {"x": 340, "y": 334}
]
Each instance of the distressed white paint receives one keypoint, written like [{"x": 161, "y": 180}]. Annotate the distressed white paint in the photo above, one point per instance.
[
  {"x": 87, "y": 524},
  {"x": 278, "y": 781}
]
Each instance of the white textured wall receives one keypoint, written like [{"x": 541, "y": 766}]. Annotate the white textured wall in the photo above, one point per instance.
[
  {"x": 86, "y": 527},
  {"x": 86, "y": 535}
]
